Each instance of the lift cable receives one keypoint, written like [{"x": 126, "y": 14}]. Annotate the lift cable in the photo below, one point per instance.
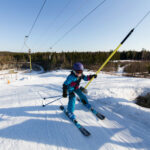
[
  {"x": 74, "y": 26},
  {"x": 142, "y": 19},
  {"x": 113, "y": 53},
  {"x": 54, "y": 20},
  {"x": 68, "y": 19},
  {"x": 30, "y": 31}
]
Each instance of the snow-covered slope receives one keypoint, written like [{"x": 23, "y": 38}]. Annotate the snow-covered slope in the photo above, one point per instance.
[{"x": 26, "y": 125}]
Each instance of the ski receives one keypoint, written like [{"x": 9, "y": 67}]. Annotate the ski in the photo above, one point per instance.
[
  {"x": 96, "y": 113},
  {"x": 78, "y": 125}
]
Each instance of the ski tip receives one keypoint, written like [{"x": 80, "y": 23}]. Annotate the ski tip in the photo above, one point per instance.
[
  {"x": 88, "y": 134},
  {"x": 84, "y": 131},
  {"x": 102, "y": 117}
]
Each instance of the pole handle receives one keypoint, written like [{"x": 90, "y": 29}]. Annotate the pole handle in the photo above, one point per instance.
[{"x": 127, "y": 36}]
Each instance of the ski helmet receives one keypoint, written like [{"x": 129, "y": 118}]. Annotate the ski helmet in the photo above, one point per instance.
[{"x": 78, "y": 67}]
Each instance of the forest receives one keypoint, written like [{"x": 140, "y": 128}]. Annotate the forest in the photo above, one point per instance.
[{"x": 91, "y": 60}]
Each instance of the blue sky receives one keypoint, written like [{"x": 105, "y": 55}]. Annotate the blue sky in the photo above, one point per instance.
[{"x": 101, "y": 31}]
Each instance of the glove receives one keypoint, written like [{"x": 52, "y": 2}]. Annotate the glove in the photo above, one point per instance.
[
  {"x": 64, "y": 94},
  {"x": 94, "y": 75},
  {"x": 64, "y": 91},
  {"x": 83, "y": 90}
]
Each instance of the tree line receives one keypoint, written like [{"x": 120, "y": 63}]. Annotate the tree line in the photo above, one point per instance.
[{"x": 54, "y": 60}]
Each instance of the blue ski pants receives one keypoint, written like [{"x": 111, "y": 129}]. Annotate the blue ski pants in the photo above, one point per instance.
[{"x": 72, "y": 99}]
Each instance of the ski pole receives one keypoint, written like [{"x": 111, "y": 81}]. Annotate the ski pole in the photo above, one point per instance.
[
  {"x": 51, "y": 97},
  {"x": 113, "y": 53},
  {"x": 51, "y": 101}
]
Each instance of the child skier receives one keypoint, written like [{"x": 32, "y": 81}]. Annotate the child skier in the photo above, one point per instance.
[{"x": 71, "y": 87}]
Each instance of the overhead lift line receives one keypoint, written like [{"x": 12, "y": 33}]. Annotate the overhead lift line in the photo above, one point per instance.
[
  {"x": 30, "y": 31},
  {"x": 77, "y": 23},
  {"x": 36, "y": 18},
  {"x": 113, "y": 53},
  {"x": 67, "y": 20},
  {"x": 56, "y": 18}
]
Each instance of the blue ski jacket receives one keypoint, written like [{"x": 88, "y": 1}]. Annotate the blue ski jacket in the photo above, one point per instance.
[{"x": 72, "y": 82}]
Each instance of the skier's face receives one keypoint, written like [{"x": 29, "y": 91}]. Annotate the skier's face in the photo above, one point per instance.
[{"x": 79, "y": 73}]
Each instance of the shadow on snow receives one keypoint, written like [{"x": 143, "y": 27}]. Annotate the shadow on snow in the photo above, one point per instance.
[{"x": 46, "y": 129}]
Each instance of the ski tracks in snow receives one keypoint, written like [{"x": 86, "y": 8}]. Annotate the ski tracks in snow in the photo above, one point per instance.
[
  {"x": 25, "y": 124},
  {"x": 131, "y": 134}
]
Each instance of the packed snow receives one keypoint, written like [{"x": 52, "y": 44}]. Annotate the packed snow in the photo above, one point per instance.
[{"x": 26, "y": 125}]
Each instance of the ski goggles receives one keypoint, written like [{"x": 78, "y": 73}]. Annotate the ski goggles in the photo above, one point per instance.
[{"x": 79, "y": 71}]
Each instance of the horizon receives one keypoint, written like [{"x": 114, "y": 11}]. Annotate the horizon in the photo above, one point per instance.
[{"x": 76, "y": 51}]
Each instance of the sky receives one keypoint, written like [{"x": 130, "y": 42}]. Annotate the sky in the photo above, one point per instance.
[{"x": 103, "y": 30}]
